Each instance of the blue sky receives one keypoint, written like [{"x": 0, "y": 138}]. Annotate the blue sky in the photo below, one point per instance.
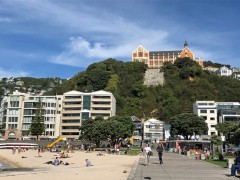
[{"x": 59, "y": 38}]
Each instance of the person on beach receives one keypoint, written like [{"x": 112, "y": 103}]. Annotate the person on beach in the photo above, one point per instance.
[
  {"x": 56, "y": 161},
  {"x": 19, "y": 149},
  {"x": 88, "y": 163},
  {"x": 14, "y": 150},
  {"x": 39, "y": 149},
  {"x": 160, "y": 149},
  {"x": 147, "y": 151}
]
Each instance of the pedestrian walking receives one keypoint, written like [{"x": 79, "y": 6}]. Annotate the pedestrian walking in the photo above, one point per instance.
[
  {"x": 147, "y": 152},
  {"x": 160, "y": 150}
]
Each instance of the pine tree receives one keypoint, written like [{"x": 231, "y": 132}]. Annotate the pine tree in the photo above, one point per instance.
[{"x": 37, "y": 126}]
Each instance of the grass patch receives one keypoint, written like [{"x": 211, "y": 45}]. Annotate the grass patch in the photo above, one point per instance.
[
  {"x": 132, "y": 152},
  {"x": 217, "y": 162}
]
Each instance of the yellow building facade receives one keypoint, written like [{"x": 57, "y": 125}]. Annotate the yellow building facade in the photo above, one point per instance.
[{"x": 156, "y": 59}]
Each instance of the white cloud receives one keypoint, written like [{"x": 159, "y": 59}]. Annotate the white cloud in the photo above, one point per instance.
[{"x": 12, "y": 73}]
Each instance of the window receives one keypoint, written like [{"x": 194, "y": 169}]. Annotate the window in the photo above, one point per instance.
[
  {"x": 13, "y": 119},
  {"x": 212, "y": 118},
  {"x": 213, "y": 126},
  {"x": 14, "y": 104},
  {"x": 14, "y": 98},
  {"x": 12, "y": 126},
  {"x": 13, "y": 112},
  {"x": 70, "y": 133},
  {"x": 27, "y": 119},
  {"x": 203, "y": 111},
  {"x": 71, "y": 121},
  {"x": 212, "y": 111}
]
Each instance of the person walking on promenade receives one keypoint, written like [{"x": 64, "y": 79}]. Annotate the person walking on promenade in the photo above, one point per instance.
[
  {"x": 160, "y": 149},
  {"x": 147, "y": 152},
  {"x": 236, "y": 164}
]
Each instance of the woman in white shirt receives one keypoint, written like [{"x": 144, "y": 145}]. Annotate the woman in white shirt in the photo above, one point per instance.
[{"x": 147, "y": 149}]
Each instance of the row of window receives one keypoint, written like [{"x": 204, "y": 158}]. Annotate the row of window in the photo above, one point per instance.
[
  {"x": 12, "y": 126},
  {"x": 49, "y": 126},
  {"x": 13, "y": 119},
  {"x": 205, "y": 111}
]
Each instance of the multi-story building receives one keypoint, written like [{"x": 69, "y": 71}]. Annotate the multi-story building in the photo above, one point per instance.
[
  {"x": 207, "y": 110},
  {"x": 153, "y": 130},
  {"x": 63, "y": 114},
  {"x": 79, "y": 106},
  {"x": 156, "y": 59},
  {"x": 217, "y": 112},
  {"x": 19, "y": 109},
  {"x": 228, "y": 111}
]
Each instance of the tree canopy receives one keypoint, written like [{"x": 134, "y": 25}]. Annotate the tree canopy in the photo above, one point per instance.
[
  {"x": 114, "y": 129},
  {"x": 187, "y": 124}
]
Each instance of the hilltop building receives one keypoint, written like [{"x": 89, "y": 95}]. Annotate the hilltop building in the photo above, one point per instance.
[
  {"x": 155, "y": 59},
  {"x": 63, "y": 114}
]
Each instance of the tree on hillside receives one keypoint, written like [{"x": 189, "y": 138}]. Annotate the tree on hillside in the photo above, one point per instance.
[
  {"x": 187, "y": 124},
  {"x": 37, "y": 126},
  {"x": 187, "y": 68}
]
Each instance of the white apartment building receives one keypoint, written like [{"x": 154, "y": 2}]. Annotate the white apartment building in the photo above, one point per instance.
[
  {"x": 153, "y": 130},
  {"x": 63, "y": 114},
  {"x": 217, "y": 112},
  {"x": 19, "y": 109},
  {"x": 79, "y": 106},
  {"x": 207, "y": 110}
]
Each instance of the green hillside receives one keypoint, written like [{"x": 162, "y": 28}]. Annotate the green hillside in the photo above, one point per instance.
[{"x": 185, "y": 82}]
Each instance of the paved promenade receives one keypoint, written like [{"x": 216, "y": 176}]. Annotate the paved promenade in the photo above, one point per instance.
[{"x": 178, "y": 167}]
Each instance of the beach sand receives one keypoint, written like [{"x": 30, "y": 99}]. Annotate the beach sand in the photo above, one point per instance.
[{"x": 105, "y": 167}]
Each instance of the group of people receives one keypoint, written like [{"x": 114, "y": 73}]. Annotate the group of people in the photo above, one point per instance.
[
  {"x": 57, "y": 162},
  {"x": 148, "y": 152}
]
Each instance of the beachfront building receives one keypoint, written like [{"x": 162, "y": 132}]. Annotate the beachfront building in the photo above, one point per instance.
[
  {"x": 19, "y": 109},
  {"x": 63, "y": 114},
  {"x": 153, "y": 130},
  {"x": 156, "y": 59},
  {"x": 217, "y": 112},
  {"x": 78, "y": 107}
]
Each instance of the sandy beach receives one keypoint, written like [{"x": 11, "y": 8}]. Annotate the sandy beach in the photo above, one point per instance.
[{"x": 108, "y": 166}]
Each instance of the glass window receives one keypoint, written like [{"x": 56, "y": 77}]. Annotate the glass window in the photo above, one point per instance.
[
  {"x": 14, "y": 104},
  {"x": 13, "y": 112},
  {"x": 86, "y": 102},
  {"x": 203, "y": 111}
]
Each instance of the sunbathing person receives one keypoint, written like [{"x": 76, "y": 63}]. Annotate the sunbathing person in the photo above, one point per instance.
[{"x": 62, "y": 155}]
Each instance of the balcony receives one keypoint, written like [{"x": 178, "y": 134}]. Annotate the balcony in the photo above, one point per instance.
[{"x": 72, "y": 100}]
